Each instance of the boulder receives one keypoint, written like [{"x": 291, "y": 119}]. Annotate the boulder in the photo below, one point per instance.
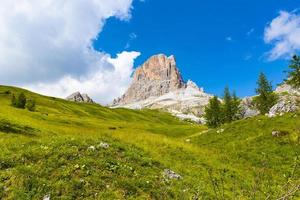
[
  {"x": 103, "y": 145},
  {"x": 46, "y": 197},
  {"x": 169, "y": 174},
  {"x": 279, "y": 133}
]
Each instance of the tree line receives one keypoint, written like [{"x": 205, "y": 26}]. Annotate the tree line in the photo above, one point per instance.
[{"x": 218, "y": 111}]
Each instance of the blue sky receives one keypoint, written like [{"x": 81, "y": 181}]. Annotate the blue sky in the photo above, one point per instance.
[{"x": 216, "y": 43}]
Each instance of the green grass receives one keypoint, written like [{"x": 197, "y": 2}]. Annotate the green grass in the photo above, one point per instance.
[{"x": 55, "y": 151}]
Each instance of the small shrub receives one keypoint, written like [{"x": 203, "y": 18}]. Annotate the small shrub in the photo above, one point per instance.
[{"x": 30, "y": 105}]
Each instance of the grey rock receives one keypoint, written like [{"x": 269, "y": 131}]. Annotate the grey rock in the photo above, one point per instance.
[
  {"x": 279, "y": 133},
  {"x": 285, "y": 104},
  {"x": 87, "y": 99},
  {"x": 247, "y": 108},
  {"x": 78, "y": 97},
  {"x": 46, "y": 197},
  {"x": 103, "y": 145},
  {"x": 285, "y": 88},
  {"x": 169, "y": 174}
]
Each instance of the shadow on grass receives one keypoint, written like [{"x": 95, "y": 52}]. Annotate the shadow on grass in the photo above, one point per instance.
[{"x": 7, "y": 127}]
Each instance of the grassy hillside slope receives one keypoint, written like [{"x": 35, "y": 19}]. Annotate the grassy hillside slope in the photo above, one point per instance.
[{"x": 56, "y": 151}]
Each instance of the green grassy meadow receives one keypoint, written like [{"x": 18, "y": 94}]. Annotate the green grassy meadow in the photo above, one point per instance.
[{"x": 56, "y": 151}]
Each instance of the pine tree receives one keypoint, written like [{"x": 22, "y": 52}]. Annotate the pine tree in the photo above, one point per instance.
[
  {"x": 294, "y": 72},
  {"x": 231, "y": 106},
  {"x": 213, "y": 113},
  {"x": 227, "y": 106},
  {"x": 21, "y": 101},
  {"x": 266, "y": 98}
]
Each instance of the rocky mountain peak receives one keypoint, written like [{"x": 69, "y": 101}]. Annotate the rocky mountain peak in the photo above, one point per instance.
[
  {"x": 157, "y": 76},
  {"x": 78, "y": 97}
]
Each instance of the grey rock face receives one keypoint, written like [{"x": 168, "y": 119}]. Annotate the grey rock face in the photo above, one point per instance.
[
  {"x": 247, "y": 108},
  {"x": 78, "y": 97},
  {"x": 285, "y": 88},
  {"x": 289, "y": 99},
  {"x": 158, "y": 84},
  {"x": 285, "y": 104},
  {"x": 157, "y": 76}
]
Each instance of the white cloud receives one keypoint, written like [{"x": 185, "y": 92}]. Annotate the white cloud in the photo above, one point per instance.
[
  {"x": 250, "y": 31},
  {"x": 47, "y": 46},
  {"x": 229, "y": 39},
  {"x": 284, "y": 33},
  {"x": 103, "y": 84}
]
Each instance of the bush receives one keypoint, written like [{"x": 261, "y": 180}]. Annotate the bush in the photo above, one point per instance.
[
  {"x": 30, "y": 105},
  {"x": 21, "y": 101},
  {"x": 18, "y": 102}
]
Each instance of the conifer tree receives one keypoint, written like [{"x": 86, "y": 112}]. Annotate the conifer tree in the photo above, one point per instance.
[
  {"x": 21, "y": 101},
  {"x": 294, "y": 72},
  {"x": 231, "y": 106},
  {"x": 227, "y": 106},
  {"x": 213, "y": 112},
  {"x": 266, "y": 98}
]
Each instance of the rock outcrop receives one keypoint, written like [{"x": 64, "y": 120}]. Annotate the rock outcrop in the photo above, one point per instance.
[
  {"x": 247, "y": 108},
  {"x": 285, "y": 104},
  {"x": 285, "y": 88},
  {"x": 158, "y": 84},
  {"x": 288, "y": 101},
  {"x": 78, "y": 97},
  {"x": 157, "y": 76}
]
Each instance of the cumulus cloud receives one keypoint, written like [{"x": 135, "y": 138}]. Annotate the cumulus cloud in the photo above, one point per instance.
[
  {"x": 47, "y": 46},
  {"x": 284, "y": 34}
]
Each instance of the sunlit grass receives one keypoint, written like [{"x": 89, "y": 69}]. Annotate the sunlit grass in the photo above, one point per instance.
[{"x": 47, "y": 153}]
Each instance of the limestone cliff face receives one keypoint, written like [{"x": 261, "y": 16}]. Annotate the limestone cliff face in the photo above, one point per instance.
[
  {"x": 157, "y": 76},
  {"x": 158, "y": 84}
]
